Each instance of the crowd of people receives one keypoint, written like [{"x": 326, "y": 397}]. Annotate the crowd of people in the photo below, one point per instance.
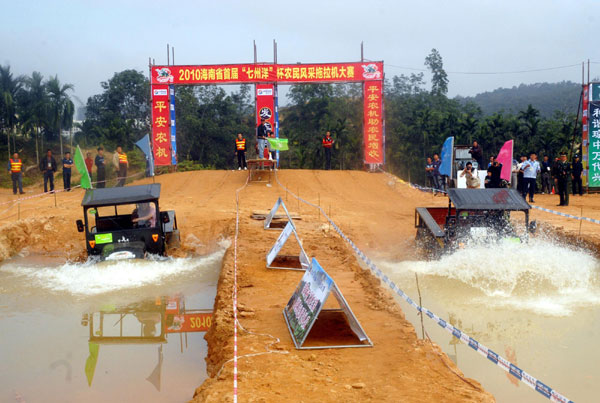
[
  {"x": 264, "y": 150},
  {"x": 48, "y": 167},
  {"x": 554, "y": 176}
]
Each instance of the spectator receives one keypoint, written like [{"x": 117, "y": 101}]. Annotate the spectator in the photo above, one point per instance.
[
  {"x": 546, "y": 175},
  {"x": 562, "y": 173},
  {"x": 100, "y": 169},
  {"x": 15, "y": 169},
  {"x": 121, "y": 163},
  {"x": 67, "y": 164},
  {"x": 477, "y": 154},
  {"x": 493, "y": 174},
  {"x": 520, "y": 182},
  {"x": 48, "y": 167},
  {"x": 577, "y": 169},
  {"x": 514, "y": 175},
  {"x": 437, "y": 176},
  {"x": 491, "y": 161},
  {"x": 530, "y": 169},
  {"x": 240, "y": 150},
  {"x": 429, "y": 173},
  {"x": 261, "y": 137},
  {"x": 471, "y": 174},
  {"x": 89, "y": 163},
  {"x": 327, "y": 144}
]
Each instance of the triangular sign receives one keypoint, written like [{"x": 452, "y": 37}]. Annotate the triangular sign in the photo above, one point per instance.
[
  {"x": 304, "y": 314},
  {"x": 269, "y": 224},
  {"x": 287, "y": 262}
]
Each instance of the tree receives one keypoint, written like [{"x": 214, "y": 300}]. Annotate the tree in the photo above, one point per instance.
[
  {"x": 34, "y": 108},
  {"x": 9, "y": 88},
  {"x": 59, "y": 99},
  {"x": 120, "y": 115},
  {"x": 439, "y": 81}
]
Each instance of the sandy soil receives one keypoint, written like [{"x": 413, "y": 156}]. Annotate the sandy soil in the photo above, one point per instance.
[{"x": 374, "y": 210}]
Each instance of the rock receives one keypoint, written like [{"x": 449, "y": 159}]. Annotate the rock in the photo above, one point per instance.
[
  {"x": 348, "y": 387},
  {"x": 358, "y": 385},
  {"x": 246, "y": 314},
  {"x": 312, "y": 357}
]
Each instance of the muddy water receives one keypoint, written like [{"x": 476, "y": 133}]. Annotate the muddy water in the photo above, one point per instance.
[
  {"x": 94, "y": 332},
  {"x": 536, "y": 304}
]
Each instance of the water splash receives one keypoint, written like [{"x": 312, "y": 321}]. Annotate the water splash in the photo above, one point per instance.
[
  {"x": 540, "y": 276},
  {"x": 88, "y": 279}
]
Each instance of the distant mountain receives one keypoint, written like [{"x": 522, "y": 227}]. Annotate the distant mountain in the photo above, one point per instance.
[{"x": 546, "y": 97}]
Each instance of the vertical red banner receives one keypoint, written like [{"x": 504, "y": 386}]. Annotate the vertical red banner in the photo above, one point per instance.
[
  {"x": 161, "y": 125},
  {"x": 265, "y": 105},
  {"x": 373, "y": 122}
]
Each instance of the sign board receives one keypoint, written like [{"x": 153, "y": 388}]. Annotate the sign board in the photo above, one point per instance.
[
  {"x": 281, "y": 240},
  {"x": 306, "y": 303},
  {"x": 189, "y": 322},
  {"x": 269, "y": 218},
  {"x": 593, "y": 156}
]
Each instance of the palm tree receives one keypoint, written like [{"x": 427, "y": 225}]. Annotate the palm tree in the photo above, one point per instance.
[
  {"x": 9, "y": 87},
  {"x": 35, "y": 107},
  {"x": 59, "y": 98}
]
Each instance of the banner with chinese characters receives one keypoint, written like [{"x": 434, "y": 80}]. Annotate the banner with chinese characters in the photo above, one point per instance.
[
  {"x": 594, "y": 145},
  {"x": 161, "y": 125},
  {"x": 173, "y": 128},
  {"x": 265, "y": 105},
  {"x": 585, "y": 136},
  {"x": 267, "y": 73},
  {"x": 373, "y": 122}
]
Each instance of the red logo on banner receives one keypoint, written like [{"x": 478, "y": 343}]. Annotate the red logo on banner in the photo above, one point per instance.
[
  {"x": 265, "y": 105},
  {"x": 161, "y": 125},
  {"x": 373, "y": 122}
]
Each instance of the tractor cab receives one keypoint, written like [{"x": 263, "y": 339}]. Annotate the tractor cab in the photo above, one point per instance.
[{"x": 127, "y": 223}]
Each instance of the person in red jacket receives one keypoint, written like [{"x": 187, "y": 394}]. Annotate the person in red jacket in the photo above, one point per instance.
[{"x": 327, "y": 144}]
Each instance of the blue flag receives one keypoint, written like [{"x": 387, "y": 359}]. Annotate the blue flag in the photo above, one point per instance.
[
  {"x": 144, "y": 145},
  {"x": 446, "y": 157}
]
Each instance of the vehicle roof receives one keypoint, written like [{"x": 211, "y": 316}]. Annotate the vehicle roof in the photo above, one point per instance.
[
  {"x": 120, "y": 195},
  {"x": 487, "y": 199}
]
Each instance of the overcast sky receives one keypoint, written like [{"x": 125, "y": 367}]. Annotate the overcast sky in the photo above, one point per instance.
[{"x": 86, "y": 42}]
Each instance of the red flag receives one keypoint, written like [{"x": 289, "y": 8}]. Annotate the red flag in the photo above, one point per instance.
[{"x": 505, "y": 157}]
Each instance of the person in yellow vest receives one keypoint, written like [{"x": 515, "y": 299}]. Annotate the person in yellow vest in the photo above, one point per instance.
[
  {"x": 15, "y": 169},
  {"x": 120, "y": 161},
  {"x": 240, "y": 150}
]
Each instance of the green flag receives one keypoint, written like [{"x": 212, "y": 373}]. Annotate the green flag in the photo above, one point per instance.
[
  {"x": 90, "y": 363},
  {"x": 86, "y": 181},
  {"x": 278, "y": 144}
]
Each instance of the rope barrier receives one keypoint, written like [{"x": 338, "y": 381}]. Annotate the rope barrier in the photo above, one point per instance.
[
  {"x": 567, "y": 215},
  {"x": 21, "y": 199},
  {"x": 494, "y": 357}
]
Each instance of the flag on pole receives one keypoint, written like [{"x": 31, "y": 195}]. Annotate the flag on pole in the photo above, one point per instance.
[
  {"x": 278, "y": 144},
  {"x": 446, "y": 157},
  {"x": 505, "y": 157},
  {"x": 86, "y": 181},
  {"x": 144, "y": 145}
]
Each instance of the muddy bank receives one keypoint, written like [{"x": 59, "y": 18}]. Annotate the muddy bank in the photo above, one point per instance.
[{"x": 399, "y": 366}]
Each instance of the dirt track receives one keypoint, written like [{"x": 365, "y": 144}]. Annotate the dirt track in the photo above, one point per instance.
[{"x": 376, "y": 212}]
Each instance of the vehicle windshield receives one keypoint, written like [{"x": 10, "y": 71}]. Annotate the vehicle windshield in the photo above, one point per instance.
[{"x": 122, "y": 217}]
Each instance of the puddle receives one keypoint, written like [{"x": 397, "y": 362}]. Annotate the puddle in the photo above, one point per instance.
[
  {"x": 131, "y": 331},
  {"x": 536, "y": 304}
]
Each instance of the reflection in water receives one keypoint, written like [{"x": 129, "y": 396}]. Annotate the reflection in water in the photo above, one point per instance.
[
  {"x": 146, "y": 322},
  {"x": 535, "y": 303},
  {"x": 67, "y": 326}
]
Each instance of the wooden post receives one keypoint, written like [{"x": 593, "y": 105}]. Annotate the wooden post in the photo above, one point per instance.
[{"x": 54, "y": 191}]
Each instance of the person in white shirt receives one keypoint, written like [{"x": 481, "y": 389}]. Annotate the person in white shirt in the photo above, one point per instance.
[{"x": 530, "y": 169}]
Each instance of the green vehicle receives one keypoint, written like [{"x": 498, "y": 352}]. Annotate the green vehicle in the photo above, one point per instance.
[{"x": 127, "y": 223}]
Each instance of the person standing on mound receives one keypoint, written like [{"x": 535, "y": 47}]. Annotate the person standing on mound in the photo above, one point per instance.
[{"x": 240, "y": 150}]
